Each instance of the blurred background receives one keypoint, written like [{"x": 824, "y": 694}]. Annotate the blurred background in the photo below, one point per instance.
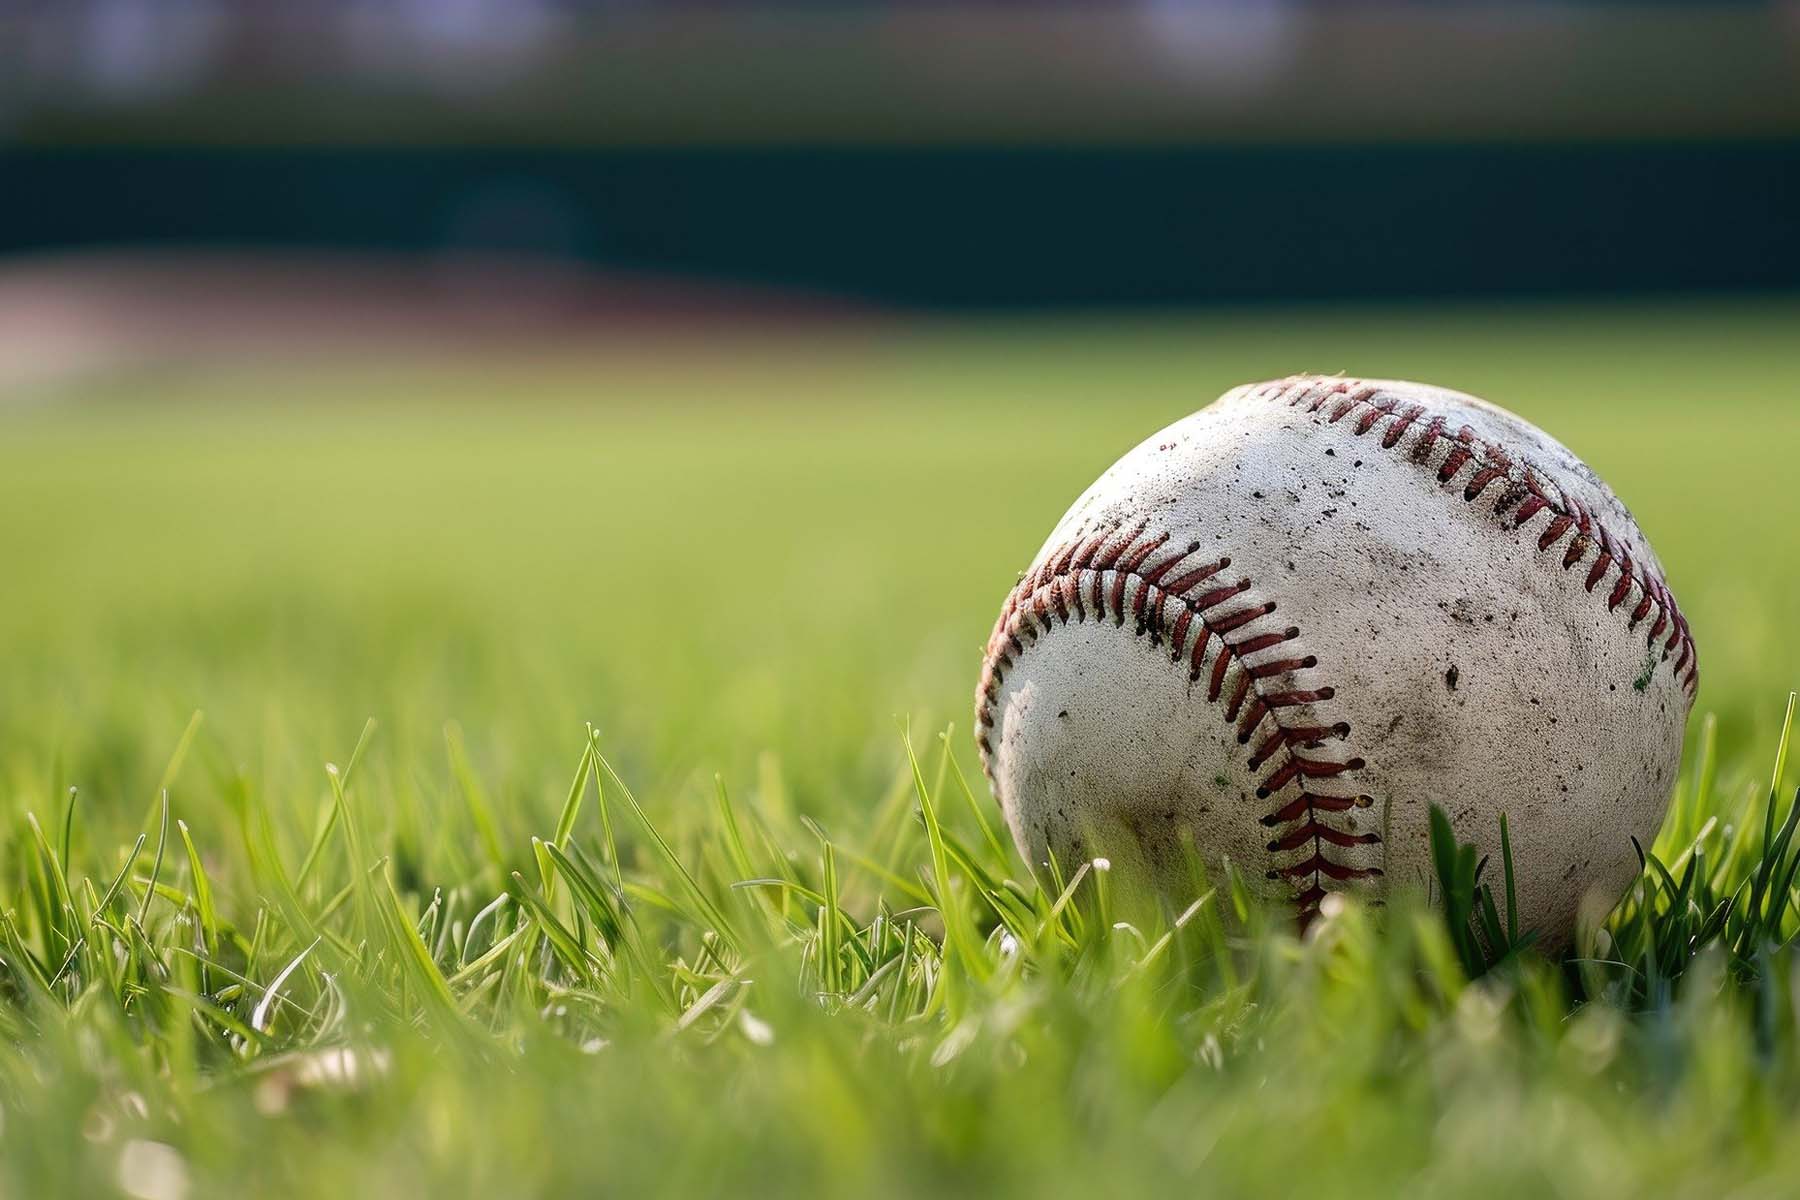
[
  {"x": 924, "y": 156},
  {"x": 521, "y": 362}
]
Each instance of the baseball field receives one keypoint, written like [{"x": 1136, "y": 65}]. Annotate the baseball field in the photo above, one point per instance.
[{"x": 549, "y": 772}]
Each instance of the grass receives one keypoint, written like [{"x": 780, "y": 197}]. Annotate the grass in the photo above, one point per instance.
[{"x": 527, "y": 777}]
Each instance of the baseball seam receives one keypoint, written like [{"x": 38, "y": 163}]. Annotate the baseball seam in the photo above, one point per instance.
[
  {"x": 1258, "y": 673},
  {"x": 1525, "y": 494}
]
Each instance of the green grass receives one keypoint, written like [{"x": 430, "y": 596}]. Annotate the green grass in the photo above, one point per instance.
[{"x": 623, "y": 879}]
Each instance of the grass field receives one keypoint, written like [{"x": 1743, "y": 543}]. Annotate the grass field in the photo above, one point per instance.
[{"x": 460, "y": 962}]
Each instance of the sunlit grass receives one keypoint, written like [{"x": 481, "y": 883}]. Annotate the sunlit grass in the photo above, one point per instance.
[{"x": 757, "y": 928}]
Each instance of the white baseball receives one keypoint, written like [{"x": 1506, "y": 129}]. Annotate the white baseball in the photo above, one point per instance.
[{"x": 1284, "y": 626}]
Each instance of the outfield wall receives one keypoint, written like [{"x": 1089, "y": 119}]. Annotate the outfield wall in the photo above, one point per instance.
[{"x": 963, "y": 227}]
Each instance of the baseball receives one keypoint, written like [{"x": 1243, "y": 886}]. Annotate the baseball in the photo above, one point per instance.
[{"x": 1286, "y": 625}]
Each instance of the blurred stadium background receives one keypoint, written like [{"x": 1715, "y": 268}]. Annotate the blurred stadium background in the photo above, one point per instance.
[{"x": 379, "y": 168}]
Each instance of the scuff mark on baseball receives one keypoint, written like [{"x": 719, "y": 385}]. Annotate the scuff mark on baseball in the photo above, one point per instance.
[{"x": 1281, "y": 628}]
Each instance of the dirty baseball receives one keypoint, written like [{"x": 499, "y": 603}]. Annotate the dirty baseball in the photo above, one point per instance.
[{"x": 1281, "y": 629}]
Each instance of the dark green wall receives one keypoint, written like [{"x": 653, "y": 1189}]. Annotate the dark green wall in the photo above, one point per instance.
[{"x": 970, "y": 226}]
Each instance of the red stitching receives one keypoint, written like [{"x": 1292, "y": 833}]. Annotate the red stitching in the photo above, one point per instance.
[
  {"x": 1053, "y": 594},
  {"x": 1398, "y": 429},
  {"x": 1527, "y": 488}
]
